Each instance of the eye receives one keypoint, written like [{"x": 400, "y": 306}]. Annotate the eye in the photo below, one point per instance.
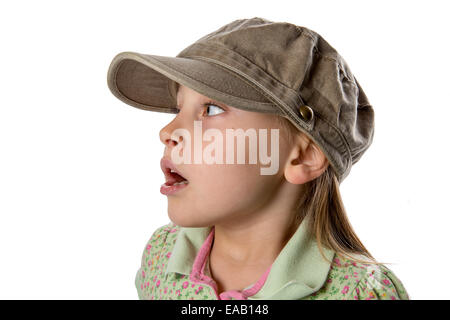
[{"x": 213, "y": 108}]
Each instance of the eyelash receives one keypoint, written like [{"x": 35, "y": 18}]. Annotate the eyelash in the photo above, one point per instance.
[
  {"x": 210, "y": 103},
  {"x": 207, "y": 104}
]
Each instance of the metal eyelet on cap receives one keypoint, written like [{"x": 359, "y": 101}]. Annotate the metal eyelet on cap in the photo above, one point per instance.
[{"x": 306, "y": 112}]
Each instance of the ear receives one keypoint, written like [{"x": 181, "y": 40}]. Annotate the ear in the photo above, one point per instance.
[{"x": 305, "y": 162}]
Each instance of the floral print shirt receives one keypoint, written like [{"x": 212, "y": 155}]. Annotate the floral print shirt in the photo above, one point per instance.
[{"x": 175, "y": 266}]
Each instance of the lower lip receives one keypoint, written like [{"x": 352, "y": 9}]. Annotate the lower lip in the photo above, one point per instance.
[{"x": 168, "y": 190}]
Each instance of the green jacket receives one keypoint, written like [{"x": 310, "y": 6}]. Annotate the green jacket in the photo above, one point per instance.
[{"x": 167, "y": 271}]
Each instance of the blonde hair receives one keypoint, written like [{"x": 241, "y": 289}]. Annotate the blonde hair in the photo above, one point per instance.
[{"x": 322, "y": 201}]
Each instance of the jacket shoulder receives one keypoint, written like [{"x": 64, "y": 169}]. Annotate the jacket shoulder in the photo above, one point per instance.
[
  {"x": 162, "y": 239},
  {"x": 156, "y": 253},
  {"x": 349, "y": 279}
]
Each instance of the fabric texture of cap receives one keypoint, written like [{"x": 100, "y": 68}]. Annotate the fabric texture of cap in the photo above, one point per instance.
[{"x": 262, "y": 66}]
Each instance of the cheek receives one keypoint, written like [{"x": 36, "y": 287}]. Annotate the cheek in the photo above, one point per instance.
[{"x": 231, "y": 186}]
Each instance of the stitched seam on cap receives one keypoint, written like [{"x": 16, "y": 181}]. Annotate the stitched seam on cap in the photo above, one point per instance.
[
  {"x": 116, "y": 70},
  {"x": 207, "y": 48},
  {"x": 124, "y": 97},
  {"x": 187, "y": 76},
  {"x": 359, "y": 149},
  {"x": 243, "y": 79}
]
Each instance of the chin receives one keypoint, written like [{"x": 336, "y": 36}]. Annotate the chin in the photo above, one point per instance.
[
  {"x": 180, "y": 219},
  {"x": 186, "y": 220}
]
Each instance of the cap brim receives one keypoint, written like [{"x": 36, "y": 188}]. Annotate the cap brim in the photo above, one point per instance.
[{"x": 148, "y": 82}]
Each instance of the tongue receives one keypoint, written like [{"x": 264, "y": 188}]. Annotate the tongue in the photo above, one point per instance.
[
  {"x": 174, "y": 178},
  {"x": 177, "y": 177}
]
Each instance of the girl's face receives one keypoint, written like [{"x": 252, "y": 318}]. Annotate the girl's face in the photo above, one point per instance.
[{"x": 221, "y": 193}]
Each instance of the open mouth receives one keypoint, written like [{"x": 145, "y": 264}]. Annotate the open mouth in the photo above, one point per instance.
[
  {"x": 173, "y": 176},
  {"x": 174, "y": 179}
]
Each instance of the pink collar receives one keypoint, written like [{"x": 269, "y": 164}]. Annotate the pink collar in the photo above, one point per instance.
[{"x": 198, "y": 276}]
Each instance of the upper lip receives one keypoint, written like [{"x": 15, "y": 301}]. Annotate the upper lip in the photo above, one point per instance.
[{"x": 167, "y": 166}]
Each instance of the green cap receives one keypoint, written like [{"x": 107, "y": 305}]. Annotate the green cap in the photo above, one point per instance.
[{"x": 263, "y": 66}]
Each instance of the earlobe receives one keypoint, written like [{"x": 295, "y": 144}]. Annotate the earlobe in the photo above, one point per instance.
[{"x": 296, "y": 172}]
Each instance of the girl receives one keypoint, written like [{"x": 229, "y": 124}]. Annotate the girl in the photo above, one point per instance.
[{"x": 236, "y": 233}]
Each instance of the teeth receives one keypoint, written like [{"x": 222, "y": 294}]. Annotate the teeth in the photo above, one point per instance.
[
  {"x": 182, "y": 182},
  {"x": 171, "y": 170}
]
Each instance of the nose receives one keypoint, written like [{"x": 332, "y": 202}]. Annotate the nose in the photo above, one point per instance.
[{"x": 168, "y": 138}]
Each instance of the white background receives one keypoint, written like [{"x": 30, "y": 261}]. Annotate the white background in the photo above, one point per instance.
[{"x": 79, "y": 169}]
